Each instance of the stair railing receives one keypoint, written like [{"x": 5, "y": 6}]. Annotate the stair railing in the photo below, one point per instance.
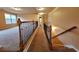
[
  {"x": 48, "y": 31},
  {"x": 72, "y": 28},
  {"x": 23, "y": 33}
]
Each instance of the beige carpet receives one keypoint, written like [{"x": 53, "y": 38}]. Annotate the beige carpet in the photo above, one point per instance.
[{"x": 9, "y": 39}]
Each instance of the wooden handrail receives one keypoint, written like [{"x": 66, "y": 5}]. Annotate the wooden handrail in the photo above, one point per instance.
[
  {"x": 49, "y": 33},
  {"x": 74, "y": 27},
  {"x": 19, "y": 23},
  {"x": 26, "y": 21},
  {"x": 45, "y": 29},
  {"x": 50, "y": 29}
]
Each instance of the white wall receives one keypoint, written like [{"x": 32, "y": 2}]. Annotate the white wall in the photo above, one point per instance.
[{"x": 64, "y": 18}]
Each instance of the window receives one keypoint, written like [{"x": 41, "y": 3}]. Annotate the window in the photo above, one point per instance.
[{"x": 10, "y": 18}]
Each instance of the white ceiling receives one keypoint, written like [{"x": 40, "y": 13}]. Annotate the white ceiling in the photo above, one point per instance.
[{"x": 27, "y": 10}]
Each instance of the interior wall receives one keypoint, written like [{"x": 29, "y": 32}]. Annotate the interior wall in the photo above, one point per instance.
[
  {"x": 3, "y": 24},
  {"x": 28, "y": 17},
  {"x": 45, "y": 18},
  {"x": 2, "y": 21},
  {"x": 64, "y": 18}
]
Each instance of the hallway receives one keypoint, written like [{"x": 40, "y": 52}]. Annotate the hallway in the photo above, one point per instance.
[
  {"x": 39, "y": 43},
  {"x": 31, "y": 35}
]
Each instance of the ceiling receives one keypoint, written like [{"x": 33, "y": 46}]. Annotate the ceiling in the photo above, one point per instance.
[{"x": 27, "y": 10}]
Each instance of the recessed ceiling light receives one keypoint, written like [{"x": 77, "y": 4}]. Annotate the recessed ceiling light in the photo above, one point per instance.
[
  {"x": 40, "y": 9},
  {"x": 16, "y": 8}
]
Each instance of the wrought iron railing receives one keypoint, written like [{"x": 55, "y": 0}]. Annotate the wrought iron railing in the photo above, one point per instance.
[{"x": 26, "y": 28}]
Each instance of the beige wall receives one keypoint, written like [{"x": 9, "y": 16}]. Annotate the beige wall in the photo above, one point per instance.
[
  {"x": 3, "y": 24},
  {"x": 33, "y": 17},
  {"x": 45, "y": 18},
  {"x": 2, "y": 21},
  {"x": 28, "y": 17},
  {"x": 64, "y": 18}
]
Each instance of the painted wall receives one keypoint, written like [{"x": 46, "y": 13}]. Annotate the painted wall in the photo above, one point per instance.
[
  {"x": 3, "y": 24},
  {"x": 2, "y": 21},
  {"x": 45, "y": 18},
  {"x": 64, "y": 18},
  {"x": 28, "y": 17}
]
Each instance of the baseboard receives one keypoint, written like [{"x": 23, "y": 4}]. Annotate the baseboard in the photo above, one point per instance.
[
  {"x": 75, "y": 49},
  {"x": 70, "y": 46}
]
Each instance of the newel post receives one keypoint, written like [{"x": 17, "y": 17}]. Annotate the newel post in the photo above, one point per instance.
[{"x": 21, "y": 41}]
